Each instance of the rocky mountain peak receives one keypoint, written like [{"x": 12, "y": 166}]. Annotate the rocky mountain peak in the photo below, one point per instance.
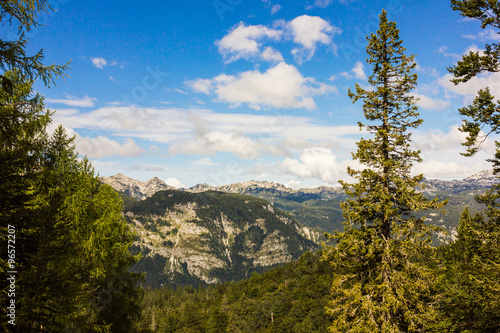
[
  {"x": 482, "y": 175},
  {"x": 135, "y": 188}
]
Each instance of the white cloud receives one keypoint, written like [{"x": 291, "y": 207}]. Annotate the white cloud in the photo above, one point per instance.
[
  {"x": 242, "y": 41},
  {"x": 203, "y": 161},
  {"x": 295, "y": 184},
  {"x": 323, "y": 3},
  {"x": 427, "y": 70},
  {"x": 102, "y": 146},
  {"x": 426, "y": 102},
  {"x": 308, "y": 31},
  {"x": 73, "y": 101},
  {"x": 281, "y": 86},
  {"x": 274, "y": 8},
  {"x": 314, "y": 162},
  {"x": 201, "y": 85},
  {"x": 175, "y": 183},
  {"x": 99, "y": 62},
  {"x": 448, "y": 170},
  {"x": 358, "y": 72},
  {"x": 471, "y": 87},
  {"x": 270, "y": 54},
  {"x": 484, "y": 36},
  {"x": 208, "y": 142},
  {"x": 441, "y": 154},
  {"x": 444, "y": 51}
]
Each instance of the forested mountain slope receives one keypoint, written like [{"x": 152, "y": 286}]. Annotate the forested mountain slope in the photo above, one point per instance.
[{"x": 211, "y": 237}]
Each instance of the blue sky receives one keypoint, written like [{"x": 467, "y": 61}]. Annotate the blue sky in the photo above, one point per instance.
[{"x": 226, "y": 91}]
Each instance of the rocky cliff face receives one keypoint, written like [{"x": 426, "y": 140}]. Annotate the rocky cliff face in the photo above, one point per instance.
[
  {"x": 318, "y": 209},
  {"x": 135, "y": 188},
  {"x": 212, "y": 236},
  {"x": 142, "y": 190},
  {"x": 481, "y": 180}
]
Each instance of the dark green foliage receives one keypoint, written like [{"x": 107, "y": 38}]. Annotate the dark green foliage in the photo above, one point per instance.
[
  {"x": 471, "y": 271},
  {"x": 384, "y": 279},
  {"x": 483, "y": 114},
  {"x": 20, "y": 17},
  {"x": 71, "y": 240},
  {"x": 290, "y": 298},
  {"x": 471, "y": 277},
  {"x": 76, "y": 250},
  {"x": 211, "y": 208}
]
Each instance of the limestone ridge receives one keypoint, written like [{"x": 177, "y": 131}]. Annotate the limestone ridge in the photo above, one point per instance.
[
  {"x": 318, "y": 209},
  {"x": 211, "y": 236},
  {"x": 135, "y": 188},
  {"x": 141, "y": 190},
  {"x": 483, "y": 179}
]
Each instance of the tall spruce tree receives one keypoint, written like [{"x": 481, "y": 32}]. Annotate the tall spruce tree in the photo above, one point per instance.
[{"x": 383, "y": 258}]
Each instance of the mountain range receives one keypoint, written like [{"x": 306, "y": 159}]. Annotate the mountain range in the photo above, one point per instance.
[{"x": 207, "y": 234}]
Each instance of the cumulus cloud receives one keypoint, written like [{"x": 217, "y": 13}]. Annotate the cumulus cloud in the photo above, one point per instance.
[
  {"x": 426, "y": 102},
  {"x": 246, "y": 42},
  {"x": 270, "y": 54},
  {"x": 208, "y": 142},
  {"x": 448, "y": 170},
  {"x": 295, "y": 184},
  {"x": 314, "y": 162},
  {"x": 281, "y": 86},
  {"x": 73, "y": 101},
  {"x": 441, "y": 154},
  {"x": 358, "y": 72},
  {"x": 471, "y": 87},
  {"x": 308, "y": 31},
  {"x": 99, "y": 62},
  {"x": 275, "y": 8},
  {"x": 102, "y": 146},
  {"x": 175, "y": 183},
  {"x": 243, "y": 42},
  {"x": 484, "y": 36}
]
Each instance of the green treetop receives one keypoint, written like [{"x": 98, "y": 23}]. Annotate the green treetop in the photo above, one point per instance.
[
  {"x": 483, "y": 113},
  {"x": 384, "y": 284},
  {"x": 22, "y": 16}
]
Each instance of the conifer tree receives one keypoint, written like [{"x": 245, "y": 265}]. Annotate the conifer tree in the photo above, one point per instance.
[
  {"x": 383, "y": 258},
  {"x": 21, "y": 17},
  {"x": 484, "y": 112},
  {"x": 472, "y": 261},
  {"x": 72, "y": 243},
  {"x": 471, "y": 277}
]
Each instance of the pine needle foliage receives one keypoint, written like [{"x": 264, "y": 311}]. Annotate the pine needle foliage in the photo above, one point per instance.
[
  {"x": 482, "y": 116},
  {"x": 383, "y": 258}
]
